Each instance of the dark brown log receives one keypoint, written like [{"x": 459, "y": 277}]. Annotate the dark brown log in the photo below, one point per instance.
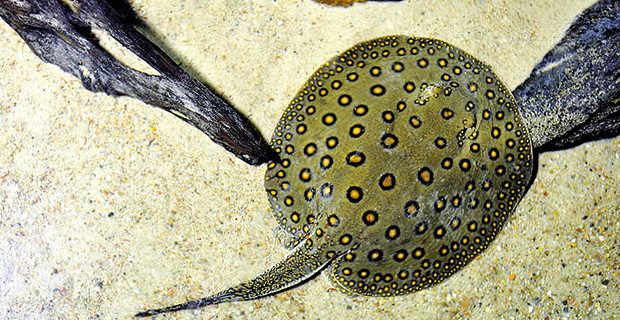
[
  {"x": 573, "y": 95},
  {"x": 63, "y": 37}
]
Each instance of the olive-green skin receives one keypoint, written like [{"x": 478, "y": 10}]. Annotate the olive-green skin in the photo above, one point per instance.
[{"x": 401, "y": 160}]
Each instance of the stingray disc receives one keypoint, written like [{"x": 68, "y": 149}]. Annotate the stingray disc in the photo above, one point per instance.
[{"x": 405, "y": 157}]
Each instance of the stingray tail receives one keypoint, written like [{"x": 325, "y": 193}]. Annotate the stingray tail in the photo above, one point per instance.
[{"x": 304, "y": 262}]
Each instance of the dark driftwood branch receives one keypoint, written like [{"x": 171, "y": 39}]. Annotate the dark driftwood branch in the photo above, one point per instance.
[
  {"x": 62, "y": 37},
  {"x": 573, "y": 95}
]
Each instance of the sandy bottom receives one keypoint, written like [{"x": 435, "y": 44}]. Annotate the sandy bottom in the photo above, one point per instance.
[{"x": 108, "y": 206}]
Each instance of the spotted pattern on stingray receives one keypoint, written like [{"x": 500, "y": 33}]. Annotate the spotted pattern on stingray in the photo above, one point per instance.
[{"x": 401, "y": 160}]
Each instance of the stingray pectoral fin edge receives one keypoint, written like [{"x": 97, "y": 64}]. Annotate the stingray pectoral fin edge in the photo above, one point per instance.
[{"x": 303, "y": 263}]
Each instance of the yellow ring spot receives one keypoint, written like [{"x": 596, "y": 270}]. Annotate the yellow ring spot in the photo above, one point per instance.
[
  {"x": 327, "y": 190},
  {"x": 415, "y": 122},
  {"x": 392, "y": 233},
  {"x": 305, "y": 175},
  {"x": 360, "y": 110},
  {"x": 377, "y": 90},
  {"x": 355, "y": 158},
  {"x": 326, "y": 162},
  {"x": 495, "y": 132},
  {"x": 354, "y": 194},
  {"x": 310, "y": 150},
  {"x": 370, "y": 218},
  {"x": 422, "y": 228},
  {"x": 333, "y": 220},
  {"x": 409, "y": 87},
  {"x": 332, "y": 142},
  {"x": 329, "y": 119},
  {"x": 425, "y": 175},
  {"x": 440, "y": 142},
  {"x": 441, "y": 204},
  {"x": 387, "y": 181}
]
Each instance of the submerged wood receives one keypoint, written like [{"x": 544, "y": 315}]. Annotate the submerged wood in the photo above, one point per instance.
[
  {"x": 573, "y": 95},
  {"x": 63, "y": 37}
]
